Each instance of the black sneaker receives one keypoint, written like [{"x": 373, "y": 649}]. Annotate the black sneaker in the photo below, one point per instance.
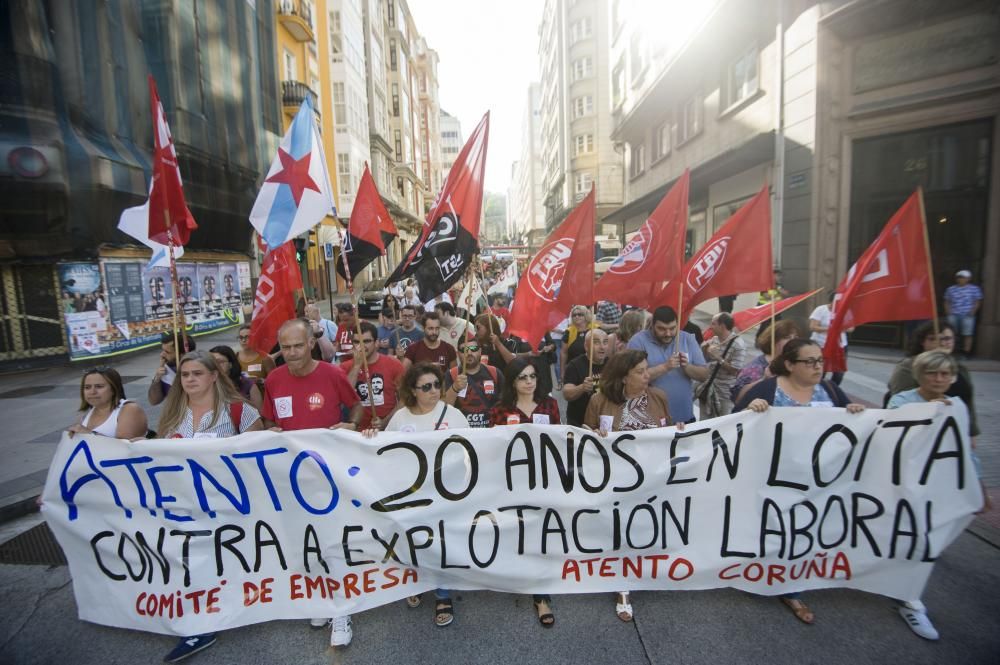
[{"x": 189, "y": 646}]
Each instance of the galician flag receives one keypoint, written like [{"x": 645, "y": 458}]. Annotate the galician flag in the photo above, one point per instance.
[{"x": 296, "y": 194}]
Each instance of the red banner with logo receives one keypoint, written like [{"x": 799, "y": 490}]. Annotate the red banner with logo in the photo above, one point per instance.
[
  {"x": 890, "y": 282},
  {"x": 737, "y": 259},
  {"x": 745, "y": 319},
  {"x": 274, "y": 302},
  {"x": 168, "y": 211},
  {"x": 653, "y": 256},
  {"x": 559, "y": 276}
]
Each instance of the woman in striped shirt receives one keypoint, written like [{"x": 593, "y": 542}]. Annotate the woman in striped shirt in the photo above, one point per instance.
[{"x": 203, "y": 404}]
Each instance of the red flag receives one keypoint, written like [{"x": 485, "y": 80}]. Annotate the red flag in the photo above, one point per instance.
[
  {"x": 890, "y": 282},
  {"x": 654, "y": 256},
  {"x": 746, "y": 319},
  {"x": 450, "y": 235},
  {"x": 167, "y": 209},
  {"x": 737, "y": 259},
  {"x": 363, "y": 242},
  {"x": 274, "y": 303},
  {"x": 559, "y": 276}
]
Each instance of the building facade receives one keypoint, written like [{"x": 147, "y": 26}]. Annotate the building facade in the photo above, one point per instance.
[
  {"x": 843, "y": 109},
  {"x": 451, "y": 140},
  {"x": 526, "y": 208}
]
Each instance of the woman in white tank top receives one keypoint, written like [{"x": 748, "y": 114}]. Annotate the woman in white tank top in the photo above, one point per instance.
[{"x": 105, "y": 409}]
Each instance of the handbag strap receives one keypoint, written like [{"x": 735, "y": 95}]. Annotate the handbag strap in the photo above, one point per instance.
[{"x": 444, "y": 409}]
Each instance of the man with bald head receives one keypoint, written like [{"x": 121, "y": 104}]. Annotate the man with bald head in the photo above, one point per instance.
[
  {"x": 582, "y": 379},
  {"x": 306, "y": 393}
]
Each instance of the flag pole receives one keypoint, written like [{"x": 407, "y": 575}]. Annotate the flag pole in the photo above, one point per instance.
[
  {"x": 482, "y": 278},
  {"x": 774, "y": 292},
  {"x": 173, "y": 279},
  {"x": 357, "y": 326},
  {"x": 930, "y": 267}
]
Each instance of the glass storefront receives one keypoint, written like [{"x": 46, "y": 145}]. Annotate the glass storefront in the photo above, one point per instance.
[{"x": 952, "y": 164}]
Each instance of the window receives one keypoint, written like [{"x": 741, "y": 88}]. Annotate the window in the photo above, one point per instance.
[
  {"x": 690, "y": 119},
  {"x": 616, "y": 17},
  {"x": 390, "y": 12},
  {"x": 637, "y": 163},
  {"x": 581, "y": 29},
  {"x": 584, "y": 144},
  {"x": 336, "y": 47},
  {"x": 399, "y": 146},
  {"x": 400, "y": 185},
  {"x": 618, "y": 85},
  {"x": 339, "y": 104},
  {"x": 314, "y": 84},
  {"x": 661, "y": 142},
  {"x": 583, "y": 106},
  {"x": 291, "y": 70},
  {"x": 583, "y": 68},
  {"x": 637, "y": 54},
  {"x": 393, "y": 62},
  {"x": 395, "y": 100},
  {"x": 344, "y": 174},
  {"x": 583, "y": 182},
  {"x": 742, "y": 80}
]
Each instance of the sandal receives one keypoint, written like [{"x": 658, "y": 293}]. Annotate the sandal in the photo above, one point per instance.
[
  {"x": 623, "y": 608},
  {"x": 547, "y": 619},
  {"x": 413, "y": 601},
  {"x": 800, "y": 610},
  {"x": 444, "y": 612}
]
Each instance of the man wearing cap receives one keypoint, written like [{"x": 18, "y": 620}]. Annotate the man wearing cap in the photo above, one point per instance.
[{"x": 961, "y": 303}]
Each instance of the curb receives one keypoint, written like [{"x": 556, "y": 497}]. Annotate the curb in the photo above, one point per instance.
[{"x": 20, "y": 504}]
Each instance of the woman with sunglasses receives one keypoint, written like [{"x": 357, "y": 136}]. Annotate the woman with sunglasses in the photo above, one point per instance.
[
  {"x": 105, "y": 409},
  {"x": 225, "y": 358},
  {"x": 523, "y": 400},
  {"x": 580, "y": 321},
  {"x": 253, "y": 363},
  {"x": 423, "y": 411},
  {"x": 626, "y": 402},
  {"x": 797, "y": 380},
  {"x": 926, "y": 339}
]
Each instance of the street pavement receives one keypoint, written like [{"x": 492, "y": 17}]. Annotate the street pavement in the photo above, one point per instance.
[{"x": 38, "y": 622}]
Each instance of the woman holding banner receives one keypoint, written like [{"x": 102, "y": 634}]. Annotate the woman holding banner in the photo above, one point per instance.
[
  {"x": 202, "y": 403},
  {"x": 105, "y": 409},
  {"x": 626, "y": 402},
  {"x": 797, "y": 380},
  {"x": 423, "y": 411}
]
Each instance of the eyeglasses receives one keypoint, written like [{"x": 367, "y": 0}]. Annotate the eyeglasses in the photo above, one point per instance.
[
  {"x": 471, "y": 347},
  {"x": 578, "y": 314},
  {"x": 812, "y": 362},
  {"x": 427, "y": 387},
  {"x": 244, "y": 338},
  {"x": 527, "y": 377}
]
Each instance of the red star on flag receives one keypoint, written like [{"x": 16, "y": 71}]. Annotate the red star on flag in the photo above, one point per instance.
[{"x": 295, "y": 174}]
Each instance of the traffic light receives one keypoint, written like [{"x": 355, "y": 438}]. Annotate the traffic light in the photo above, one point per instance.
[{"x": 300, "y": 249}]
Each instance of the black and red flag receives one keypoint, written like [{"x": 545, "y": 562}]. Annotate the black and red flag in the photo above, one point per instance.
[
  {"x": 367, "y": 230},
  {"x": 450, "y": 235}
]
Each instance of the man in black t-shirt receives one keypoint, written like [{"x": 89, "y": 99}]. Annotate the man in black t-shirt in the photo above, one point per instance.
[
  {"x": 580, "y": 382},
  {"x": 475, "y": 391}
]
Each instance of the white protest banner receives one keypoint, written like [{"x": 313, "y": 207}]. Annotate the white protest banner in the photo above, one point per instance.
[{"x": 192, "y": 536}]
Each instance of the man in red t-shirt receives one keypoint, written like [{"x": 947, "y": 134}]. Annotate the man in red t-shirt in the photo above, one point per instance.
[
  {"x": 305, "y": 393},
  {"x": 346, "y": 327},
  {"x": 431, "y": 349},
  {"x": 385, "y": 372}
]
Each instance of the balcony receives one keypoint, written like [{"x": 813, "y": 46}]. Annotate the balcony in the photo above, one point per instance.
[
  {"x": 292, "y": 95},
  {"x": 296, "y": 17}
]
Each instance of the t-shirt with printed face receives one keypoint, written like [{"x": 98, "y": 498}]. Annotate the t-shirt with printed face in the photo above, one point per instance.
[
  {"x": 306, "y": 402},
  {"x": 481, "y": 395},
  {"x": 443, "y": 356},
  {"x": 385, "y": 372}
]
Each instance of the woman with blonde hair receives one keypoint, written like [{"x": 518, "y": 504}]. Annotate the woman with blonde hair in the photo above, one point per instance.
[
  {"x": 632, "y": 322},
  {"x": 581, "y": 319},
  {"x": 203, "y": 403}
]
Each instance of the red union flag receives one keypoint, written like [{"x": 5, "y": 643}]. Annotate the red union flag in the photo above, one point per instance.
[
  {"x": 559, "y": 276},
  {"x": 168, "y": 211},
  {"x": 274, "y": 302},
  {"x": 890, "y": 282},
  {"x": 737, "y": 259},
  {"x": 745, "y": 319},
  {"x": 653, "y": 256}
]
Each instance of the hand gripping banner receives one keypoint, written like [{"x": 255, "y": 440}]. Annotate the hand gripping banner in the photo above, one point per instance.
[{"x": 193, "y": 536}]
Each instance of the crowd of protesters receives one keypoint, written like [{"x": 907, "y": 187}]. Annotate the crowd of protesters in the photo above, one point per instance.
[{"x": 436, "y": 365}]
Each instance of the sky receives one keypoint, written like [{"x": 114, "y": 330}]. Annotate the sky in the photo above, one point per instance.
[{"x": 488, "y": 54}]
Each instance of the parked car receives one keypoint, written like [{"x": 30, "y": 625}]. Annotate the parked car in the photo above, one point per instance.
[
  {"x": 601, "y": 265},
  {"x": 370, "y": 301}
]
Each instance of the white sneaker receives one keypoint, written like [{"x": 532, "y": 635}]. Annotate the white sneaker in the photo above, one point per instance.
[
  {"x": 341, "y": 634},
  {"x": 919, "y": 622},
  {"x": 319, "y": 623}
]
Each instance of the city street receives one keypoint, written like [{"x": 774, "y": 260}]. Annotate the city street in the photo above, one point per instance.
[{"x": 38, "y": 621}]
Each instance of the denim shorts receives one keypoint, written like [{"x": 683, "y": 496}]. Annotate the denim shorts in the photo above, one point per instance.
[{"x": 964, "y": 324}]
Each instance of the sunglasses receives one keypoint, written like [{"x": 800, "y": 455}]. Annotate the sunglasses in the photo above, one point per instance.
[
  {"x": 527, "y": 377},
  {"x": 427, "y": 387},
  {"x": 470, "y": 347},
  {"x": 95, "y": 370}
]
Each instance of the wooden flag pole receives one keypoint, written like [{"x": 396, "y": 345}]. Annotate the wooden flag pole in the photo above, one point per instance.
[
  {"x": 930, "y": 266},
  {"x": 590, "y": 353},
  {"x": 774, "y": 292},
  {"x": 357, "y": 328},
  {"x": 174, "y": 280}
]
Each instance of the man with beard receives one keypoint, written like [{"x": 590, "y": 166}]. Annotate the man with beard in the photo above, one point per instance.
[
  {"x": 431, "y": 348},
  {"x": 476, "y": 390},
  {"x": 452, "y": 327},
  {"x": 674, "y": 358},
  {"x": 385, "y": 372},
  {"x": 166, "y": 373},
  {"x": 407, "y": 332},
  {"x": 582, "y": 379}
]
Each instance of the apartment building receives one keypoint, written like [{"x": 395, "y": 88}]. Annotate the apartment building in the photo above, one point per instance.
[
  {"x": 842, "y": 108},
  {"x": 525, "y": 205},
  {"x": 428, "y": 115},
  {"x": 451, "y": 140},
  {"x": 576, "y": 146}
]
